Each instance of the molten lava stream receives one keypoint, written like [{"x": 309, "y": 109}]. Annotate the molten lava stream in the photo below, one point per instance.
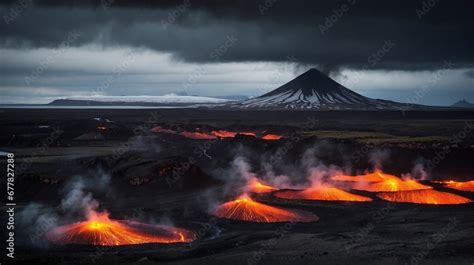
[
  {"x": 99, "y": 230},
  {"x": 159, "y": 129},
  {"x": 423, "y": 197},
  {"x": 198, "y": 135},
  {"x": 321, "y": 193},
  {"x": 463, "y": 186},
  {"x": 248, "y": 133},
  {"x": 272, "y": 137},
  {"x": 246, "y": 209},
  {"x": 224, "y": 134},
  {"x": 256, "y": 186}
]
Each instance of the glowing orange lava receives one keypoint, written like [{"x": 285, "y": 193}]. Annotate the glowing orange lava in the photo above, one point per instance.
[
  {"x": 463, "y": 186},
  {"x": 321, "y": 193},
  {"x": 201, "y": 135},
  {"x": 198, "y": 135},
  {"x": 101, "y": 231},
  {"x": 394, "y": 184},
  {"x": 230, "y": 134},
  {"x": 224, "y": 134},
  {"x": 380, "y": 182},
  {"x": 272, "y": 137},
  {"x": 377, "y": 176},
  {"x": 257, "y": 187},
  {"x": 423, "y": 197},
  {"x": 248, "y": 133},
  {"x": 246, "y": 209}
]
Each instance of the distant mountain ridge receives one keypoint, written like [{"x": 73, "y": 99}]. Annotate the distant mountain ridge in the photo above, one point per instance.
[
  {"x": 166, "y": 100},
  {"x": 463, "y": 104},
  {"x": 315, "y": 90}
]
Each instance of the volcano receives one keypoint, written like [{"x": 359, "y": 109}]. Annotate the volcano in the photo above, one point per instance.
[
  {"x": 100, "y": 230},
  {"x": 463, "y": 104},
  {"x": 423, "y": 197},
  {"x": 315, "y": 90},
  {"x": 380, "y": 182},
  {"x": 462, "y": 186},
  {"x": 246, "y": 209},
  {"x": 321, "y": 193},
  {"x": 391, "y": 184},
  {"x": 376, "y": 176},
  {"x": 256, "y": 186}
]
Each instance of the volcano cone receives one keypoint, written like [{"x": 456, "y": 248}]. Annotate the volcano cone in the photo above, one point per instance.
[
  {"x": 321, "y": 193},
  {"x": 102, "y": 231},
  {"x": 423, "y": 197},
  {"x": 246, "y": 209}
]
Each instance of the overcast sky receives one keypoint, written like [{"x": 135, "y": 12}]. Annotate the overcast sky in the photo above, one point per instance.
[{"x": 408, "y": 51}]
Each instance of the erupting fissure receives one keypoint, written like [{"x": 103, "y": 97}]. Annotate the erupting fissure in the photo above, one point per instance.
[
  {"x": 321, "y": 193},
  {"x": 246, "y": 209},
  {"x": 423, "y": 197},
  {"x": 100, "y": 230}
]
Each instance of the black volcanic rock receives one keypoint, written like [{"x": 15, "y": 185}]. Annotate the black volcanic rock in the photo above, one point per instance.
[
  {"x": 310, "y": 82},
  {"x": 315, "y": 90},
  {"x": 463, "y": 104}
]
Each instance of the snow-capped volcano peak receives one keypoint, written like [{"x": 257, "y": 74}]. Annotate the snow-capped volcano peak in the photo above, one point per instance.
[{"x": 315, "y": 90}]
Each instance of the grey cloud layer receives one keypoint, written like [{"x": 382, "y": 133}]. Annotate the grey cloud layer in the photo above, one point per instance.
[{"x": 331, "y": 34}]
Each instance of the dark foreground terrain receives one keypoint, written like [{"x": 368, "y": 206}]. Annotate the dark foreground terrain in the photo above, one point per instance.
[{"x": 161, "y": 178}]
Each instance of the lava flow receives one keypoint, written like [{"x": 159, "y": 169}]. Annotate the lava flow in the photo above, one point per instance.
[
  {"x": 270, "y": 137},
  {"x": 224, "y": 134},
  {"x": 423, "y": 197},
  {"x": 256, "y": 186},
  {"x": 220, "y": 134},
  {"x": 381, "y": 182},
  {"x": 377, "y": 176},
  {"x": 248, "y": 133},
  {"x": 462, "y": 186},
  {"x": 99, "y": 230},
  {"x": 392, "y": 185},
  {"x": 198, "y": 135},
  {"x": 230, "y": 134},
  {"x": 321, "y": 193},
  {"x": 246, "y": 209}
]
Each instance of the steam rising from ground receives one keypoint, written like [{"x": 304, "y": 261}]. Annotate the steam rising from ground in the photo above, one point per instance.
[
  {"x": 309, "y": 170},
  {"x": 418, "y": 173},
  {"x": 37, "y": 219},
  {"x": 378, "y": 157}
]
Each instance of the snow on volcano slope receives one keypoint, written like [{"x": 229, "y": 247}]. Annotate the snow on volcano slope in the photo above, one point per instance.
[{"x": 314, "y": 90}]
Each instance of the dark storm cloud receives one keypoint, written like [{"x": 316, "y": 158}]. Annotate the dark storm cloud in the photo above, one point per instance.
[{"x": 331, "y": 34}]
